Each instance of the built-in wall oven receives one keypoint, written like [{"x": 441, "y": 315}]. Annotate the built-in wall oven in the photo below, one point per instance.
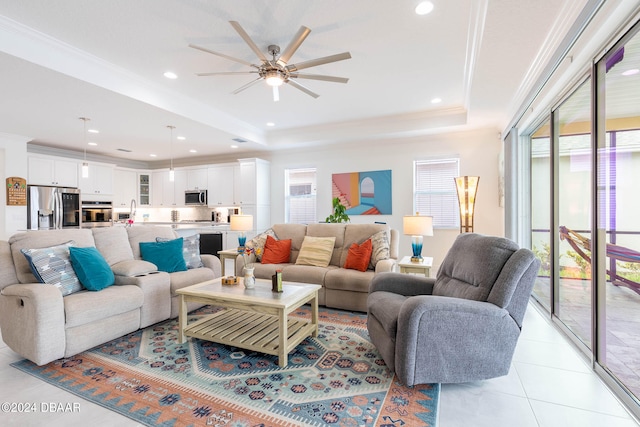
[{"x": 97, "y": 214}]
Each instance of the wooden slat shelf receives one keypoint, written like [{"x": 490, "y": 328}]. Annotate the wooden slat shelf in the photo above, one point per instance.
[{"x": 251, "y": 331}]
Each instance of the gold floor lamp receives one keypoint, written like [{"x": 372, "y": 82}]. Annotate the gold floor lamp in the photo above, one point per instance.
[{"x": 466, "y": 186}]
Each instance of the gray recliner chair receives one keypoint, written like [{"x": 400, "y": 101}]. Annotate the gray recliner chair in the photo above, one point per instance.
[{"x": 463, "y": 325}]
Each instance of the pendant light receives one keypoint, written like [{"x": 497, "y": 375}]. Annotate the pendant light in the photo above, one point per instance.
[
  {"x": 85, "y": 165},
  {"x": 172, "y": 174}
]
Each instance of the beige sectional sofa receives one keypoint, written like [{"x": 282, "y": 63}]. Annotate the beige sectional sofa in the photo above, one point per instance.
[
  {"x": 341, "y": 288},
  {"x": 40, "y": 324}
]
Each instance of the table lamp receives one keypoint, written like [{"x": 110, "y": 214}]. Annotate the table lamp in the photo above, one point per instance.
[
  {"x": 417, "y": 226},
  {"x": 242, "y": 223}
]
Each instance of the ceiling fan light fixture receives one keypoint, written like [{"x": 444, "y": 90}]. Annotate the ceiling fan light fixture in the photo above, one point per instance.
[
  {"x": 277, "y": 70},
  {"x": 274, "y": 78}
]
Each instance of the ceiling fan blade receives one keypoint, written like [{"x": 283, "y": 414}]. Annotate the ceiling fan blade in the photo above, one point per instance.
[
  {"x": 222, "y": 55},
  {"x": 318, "y": 61},
  {"x": 225, "y": 73},
  {"x": 302, "y": 88},
  {"x": 295, "y": 43},
  {"x": 248, "y": 40},
  {"x": 319, "y": 77},
  {"x": 251, "y": 83}
]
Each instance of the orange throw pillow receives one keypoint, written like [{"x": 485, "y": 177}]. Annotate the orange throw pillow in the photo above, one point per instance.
[
  {"x": 359, "y": 255},
  {"x": 276, "y": 251}
]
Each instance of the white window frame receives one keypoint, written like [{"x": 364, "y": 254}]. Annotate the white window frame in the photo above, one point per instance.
[
  {"x": 302, "y": 208},
  {"x": 434, "y": 191}
]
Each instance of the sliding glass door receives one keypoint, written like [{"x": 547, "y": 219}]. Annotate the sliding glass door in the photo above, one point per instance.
[
  {"x": 585, "y": 215},
  {"x": 618, "y": 205},
  {"x": 541, "y": 210},
  {"x": 573, "y": 142}
]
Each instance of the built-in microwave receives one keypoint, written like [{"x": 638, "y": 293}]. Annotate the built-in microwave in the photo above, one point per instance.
[{"x": 195, "y": 197}]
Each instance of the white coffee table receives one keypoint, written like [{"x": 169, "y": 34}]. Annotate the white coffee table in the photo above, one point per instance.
[{"x": 254, "y": 319}]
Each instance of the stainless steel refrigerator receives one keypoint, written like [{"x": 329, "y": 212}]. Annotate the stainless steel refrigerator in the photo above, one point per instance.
[{"x": 53, "y": 207}]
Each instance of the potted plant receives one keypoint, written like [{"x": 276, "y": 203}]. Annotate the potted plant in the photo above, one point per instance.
[{"x": 339, "y": 212}]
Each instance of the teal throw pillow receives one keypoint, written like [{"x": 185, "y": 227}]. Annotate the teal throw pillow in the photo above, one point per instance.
[
  {"x": 167, "y": 256},
  {"x": 52, "y": 266},
  {"x": 190, "y": 250},
  {"x": 91, "y": 268}
]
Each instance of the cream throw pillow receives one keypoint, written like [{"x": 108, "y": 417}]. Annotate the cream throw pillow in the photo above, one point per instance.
[
  {"x": 259, "y": 241},
  {"x": 316, "y": 251},
  {"x": 380, "y": 244}
]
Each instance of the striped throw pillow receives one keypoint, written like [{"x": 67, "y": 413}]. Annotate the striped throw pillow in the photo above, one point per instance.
[
  {"x": 316, "y": 251},
  {"x": 52, "y": 266}
]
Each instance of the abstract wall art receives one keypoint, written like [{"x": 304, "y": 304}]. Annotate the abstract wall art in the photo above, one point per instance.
[{"x": 363, "y": 193}]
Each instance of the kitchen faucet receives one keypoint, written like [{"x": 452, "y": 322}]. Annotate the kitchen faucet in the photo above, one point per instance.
[{"x": 132, "y": 211}]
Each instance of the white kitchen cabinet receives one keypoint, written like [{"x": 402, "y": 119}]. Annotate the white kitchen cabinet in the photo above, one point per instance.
[
  {"x": 221, "y": 183},
  {"x": 165, "y": 193},
  {"x": 157, "y": 184},
  {"x": 99, "y": 182},
  {"x": 253, "y": 192},
  {"x": 52, "y": 171},
  {"x": 197, "y": 179},
  {"x": 254, "y": 182},
  {"x": 125, "y": 187},
  {"x": 144, "y": 189}
]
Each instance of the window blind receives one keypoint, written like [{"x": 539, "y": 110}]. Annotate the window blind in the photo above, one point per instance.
[
  {"x": 435, "y": 191},
  {"x": 300, "y": 196}
]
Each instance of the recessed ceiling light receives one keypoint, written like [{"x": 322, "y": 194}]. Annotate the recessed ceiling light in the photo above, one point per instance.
[
  {"x": 631, "y": 72},
  {"x": 436, "y": 100},
  {"x": 234, "y": 146},
  {"x": 171, "y": 75},
  {"x": 270, "y": 124},
  {"x": 193, "y": 151},
  {"x": 93, "y": 131},
  {"x": 93, "y": 143},
  {"x": 152, "y": 155},
  {"x": 181, "y": 138},
  {"x": 424, "y": 8}
]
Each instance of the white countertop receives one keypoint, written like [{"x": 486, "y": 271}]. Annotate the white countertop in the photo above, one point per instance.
[{"x": 186, "y": 224}]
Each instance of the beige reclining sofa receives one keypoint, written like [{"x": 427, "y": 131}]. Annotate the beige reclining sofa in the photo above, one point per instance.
[
  {"x": 42, "y": 325},
  {"x": 342, "y": 288}
]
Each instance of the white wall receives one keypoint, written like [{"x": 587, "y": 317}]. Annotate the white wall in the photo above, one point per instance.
[
  {"x": 13, "y": 162},
  {"x": 478, "y": 152}
]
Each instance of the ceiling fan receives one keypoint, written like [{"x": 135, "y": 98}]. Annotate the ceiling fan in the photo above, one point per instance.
[{"x": 277, "y": 70}]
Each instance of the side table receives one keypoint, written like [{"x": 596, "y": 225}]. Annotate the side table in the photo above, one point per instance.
[
  {"x": 231, "y": 254},
  {"x": 408, "y": 267}
]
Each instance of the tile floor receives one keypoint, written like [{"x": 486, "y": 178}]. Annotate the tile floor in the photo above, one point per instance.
[{"x": 549, "y": 385}]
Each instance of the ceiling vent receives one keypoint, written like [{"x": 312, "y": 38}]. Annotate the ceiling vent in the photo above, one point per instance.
[
  {"x": 124, "y": 149},
  {"x": 239, "y": 140}
]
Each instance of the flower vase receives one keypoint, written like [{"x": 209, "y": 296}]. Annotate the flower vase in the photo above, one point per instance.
[{"x": 249, "y": 278}]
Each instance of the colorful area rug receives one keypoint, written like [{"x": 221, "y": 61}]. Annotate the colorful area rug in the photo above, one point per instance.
[{"x": 337, "y": 378}]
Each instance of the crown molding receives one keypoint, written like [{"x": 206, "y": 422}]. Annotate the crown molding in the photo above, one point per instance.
[{"x": 477, "y": 20}]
